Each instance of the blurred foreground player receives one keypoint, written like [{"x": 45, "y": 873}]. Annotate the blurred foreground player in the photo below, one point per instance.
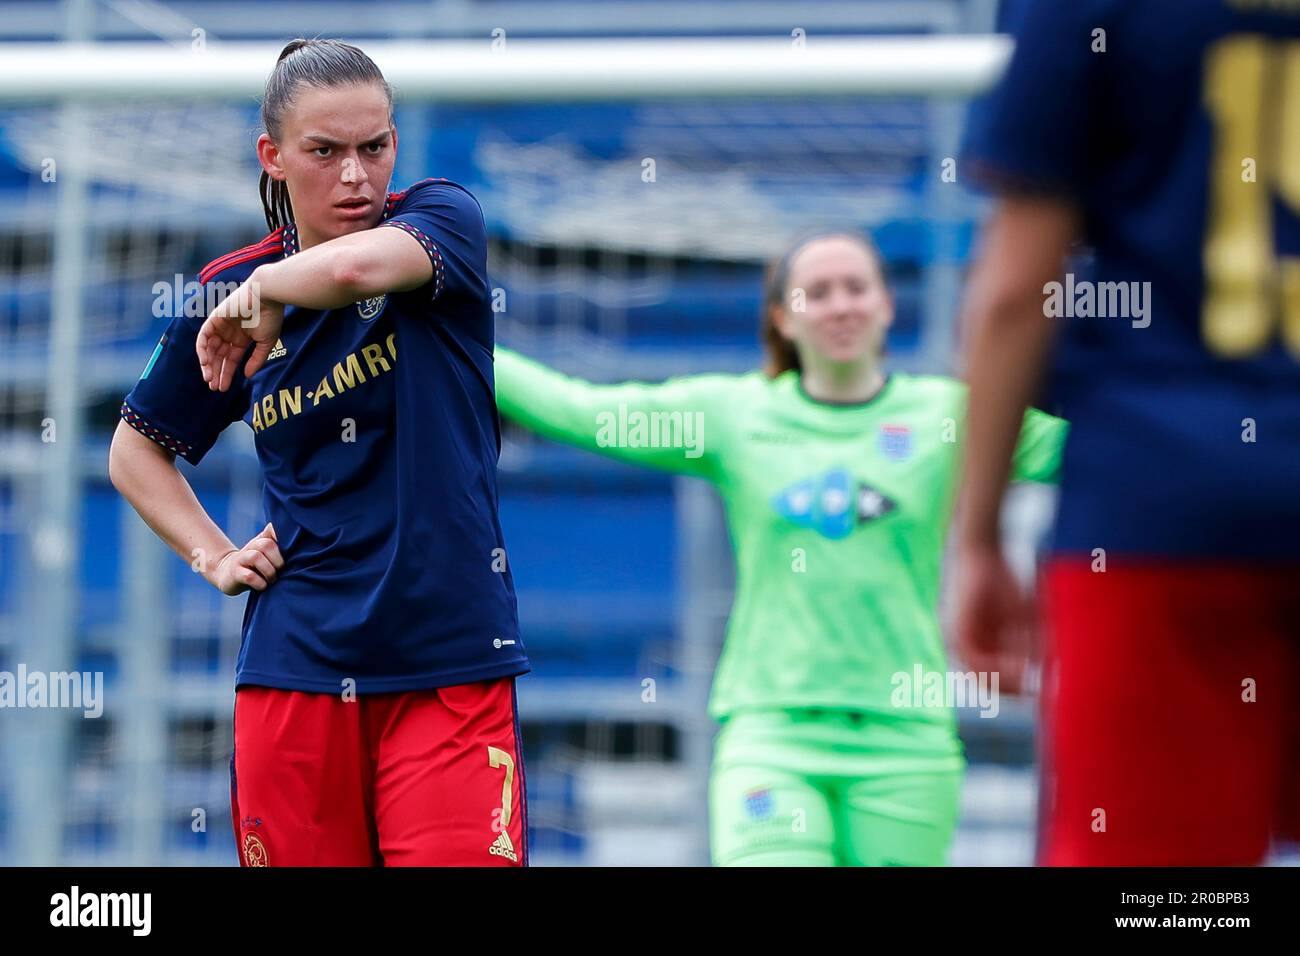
[
  {"x": 837, "y": 478},
  {"x": 1166, "y": 134},
  {"x": 375, "y": 712}
]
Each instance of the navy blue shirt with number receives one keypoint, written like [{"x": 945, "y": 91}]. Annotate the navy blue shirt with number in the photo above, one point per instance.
[
  {"x": 1174, "y": 127},
  {"x": 378, "y": 436}
]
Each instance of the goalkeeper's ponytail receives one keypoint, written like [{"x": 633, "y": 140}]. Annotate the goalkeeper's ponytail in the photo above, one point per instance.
[{"x": 318, "y": 63}]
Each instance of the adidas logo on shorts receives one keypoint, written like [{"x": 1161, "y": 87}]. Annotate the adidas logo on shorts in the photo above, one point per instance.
[{"x": 503, "y": 847}]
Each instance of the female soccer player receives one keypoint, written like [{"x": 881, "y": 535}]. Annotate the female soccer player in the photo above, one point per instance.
[
  {"x": 837, "y": 480},
  {"x": 375, "y": 714}
]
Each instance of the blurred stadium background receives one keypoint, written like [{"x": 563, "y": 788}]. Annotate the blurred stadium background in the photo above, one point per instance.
[{"x": 624, "y": 576}]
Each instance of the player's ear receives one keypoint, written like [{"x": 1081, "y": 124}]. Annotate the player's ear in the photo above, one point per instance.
[
  {"x": 887, "y": 314},
  {"x": 780, "y": 318},
  {"x": 268, "y": 154},
  {"x": 877, "y": 275}
]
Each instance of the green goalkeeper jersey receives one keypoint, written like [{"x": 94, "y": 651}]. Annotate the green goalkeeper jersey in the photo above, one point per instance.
[{"x": 837, "y": 515}]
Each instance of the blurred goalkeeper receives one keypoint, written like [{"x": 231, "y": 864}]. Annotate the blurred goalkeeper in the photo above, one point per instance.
[
  {"x": 375, "y": 714},
  {"x": 838, "y": 746},
  {"x": 1165, "y": 134}
]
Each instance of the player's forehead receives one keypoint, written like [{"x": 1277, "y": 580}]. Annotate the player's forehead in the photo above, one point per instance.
[
  {"x": 355, "y": 113},
  {"x": 829, "y": 257}
]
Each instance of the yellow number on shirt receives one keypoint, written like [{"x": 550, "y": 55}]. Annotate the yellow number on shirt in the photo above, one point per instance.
[{"x": 1252, "y": 92}]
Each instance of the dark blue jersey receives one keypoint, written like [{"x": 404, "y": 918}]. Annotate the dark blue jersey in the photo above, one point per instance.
[
  {"x": 1174, "y": 126},
  {"x": 378, "y": 436}
]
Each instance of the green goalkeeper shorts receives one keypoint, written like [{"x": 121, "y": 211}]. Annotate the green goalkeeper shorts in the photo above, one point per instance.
[{"x": 822, "y": 787}]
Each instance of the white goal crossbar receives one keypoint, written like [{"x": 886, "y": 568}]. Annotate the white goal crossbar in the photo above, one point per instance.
[{"x": 505, "y": 69}]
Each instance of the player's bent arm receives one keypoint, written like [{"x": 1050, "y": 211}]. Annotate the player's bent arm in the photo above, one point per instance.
[
  {"x": 145, "y": 474},
  {"x": 1022, "y": 249},
  {"x": 603, "y": 418},
  {"x": 346, "y": 270}
]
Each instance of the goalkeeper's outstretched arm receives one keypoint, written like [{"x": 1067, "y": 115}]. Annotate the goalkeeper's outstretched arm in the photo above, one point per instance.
[{"x": 604, "y": 418}]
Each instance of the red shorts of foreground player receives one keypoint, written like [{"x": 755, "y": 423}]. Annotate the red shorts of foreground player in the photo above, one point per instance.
[
  {"x": 419, "y": 778},
  {"x": 1171, "y": 723}
]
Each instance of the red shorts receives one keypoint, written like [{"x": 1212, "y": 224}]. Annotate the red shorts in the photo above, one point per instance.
[
  {"x": 420, "y": 778},
  {"x": 1171, "y": 721}
]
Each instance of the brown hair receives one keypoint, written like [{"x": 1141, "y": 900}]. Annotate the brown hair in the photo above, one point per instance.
[
  {"x": 781, "y": 352},
  {"x": 318, "y": 63}
]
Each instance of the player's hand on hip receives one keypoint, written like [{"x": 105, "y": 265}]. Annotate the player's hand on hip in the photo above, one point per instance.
[
  {"x": 995, "y": 618},
  {"x": 243, "y": 318},
  {"x": 254, "y": 567}
]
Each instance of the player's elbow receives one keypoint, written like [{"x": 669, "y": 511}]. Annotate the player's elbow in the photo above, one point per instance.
[
  {"x": 1005, "y": 307},
  {"x": 352, "y": 275},
  {"x": 130, "y": 457}
]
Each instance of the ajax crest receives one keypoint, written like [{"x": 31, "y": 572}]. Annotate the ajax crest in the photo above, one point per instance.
[
  {"x": 370, "y": 308},
  {"x": 254, "y": 851}
]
